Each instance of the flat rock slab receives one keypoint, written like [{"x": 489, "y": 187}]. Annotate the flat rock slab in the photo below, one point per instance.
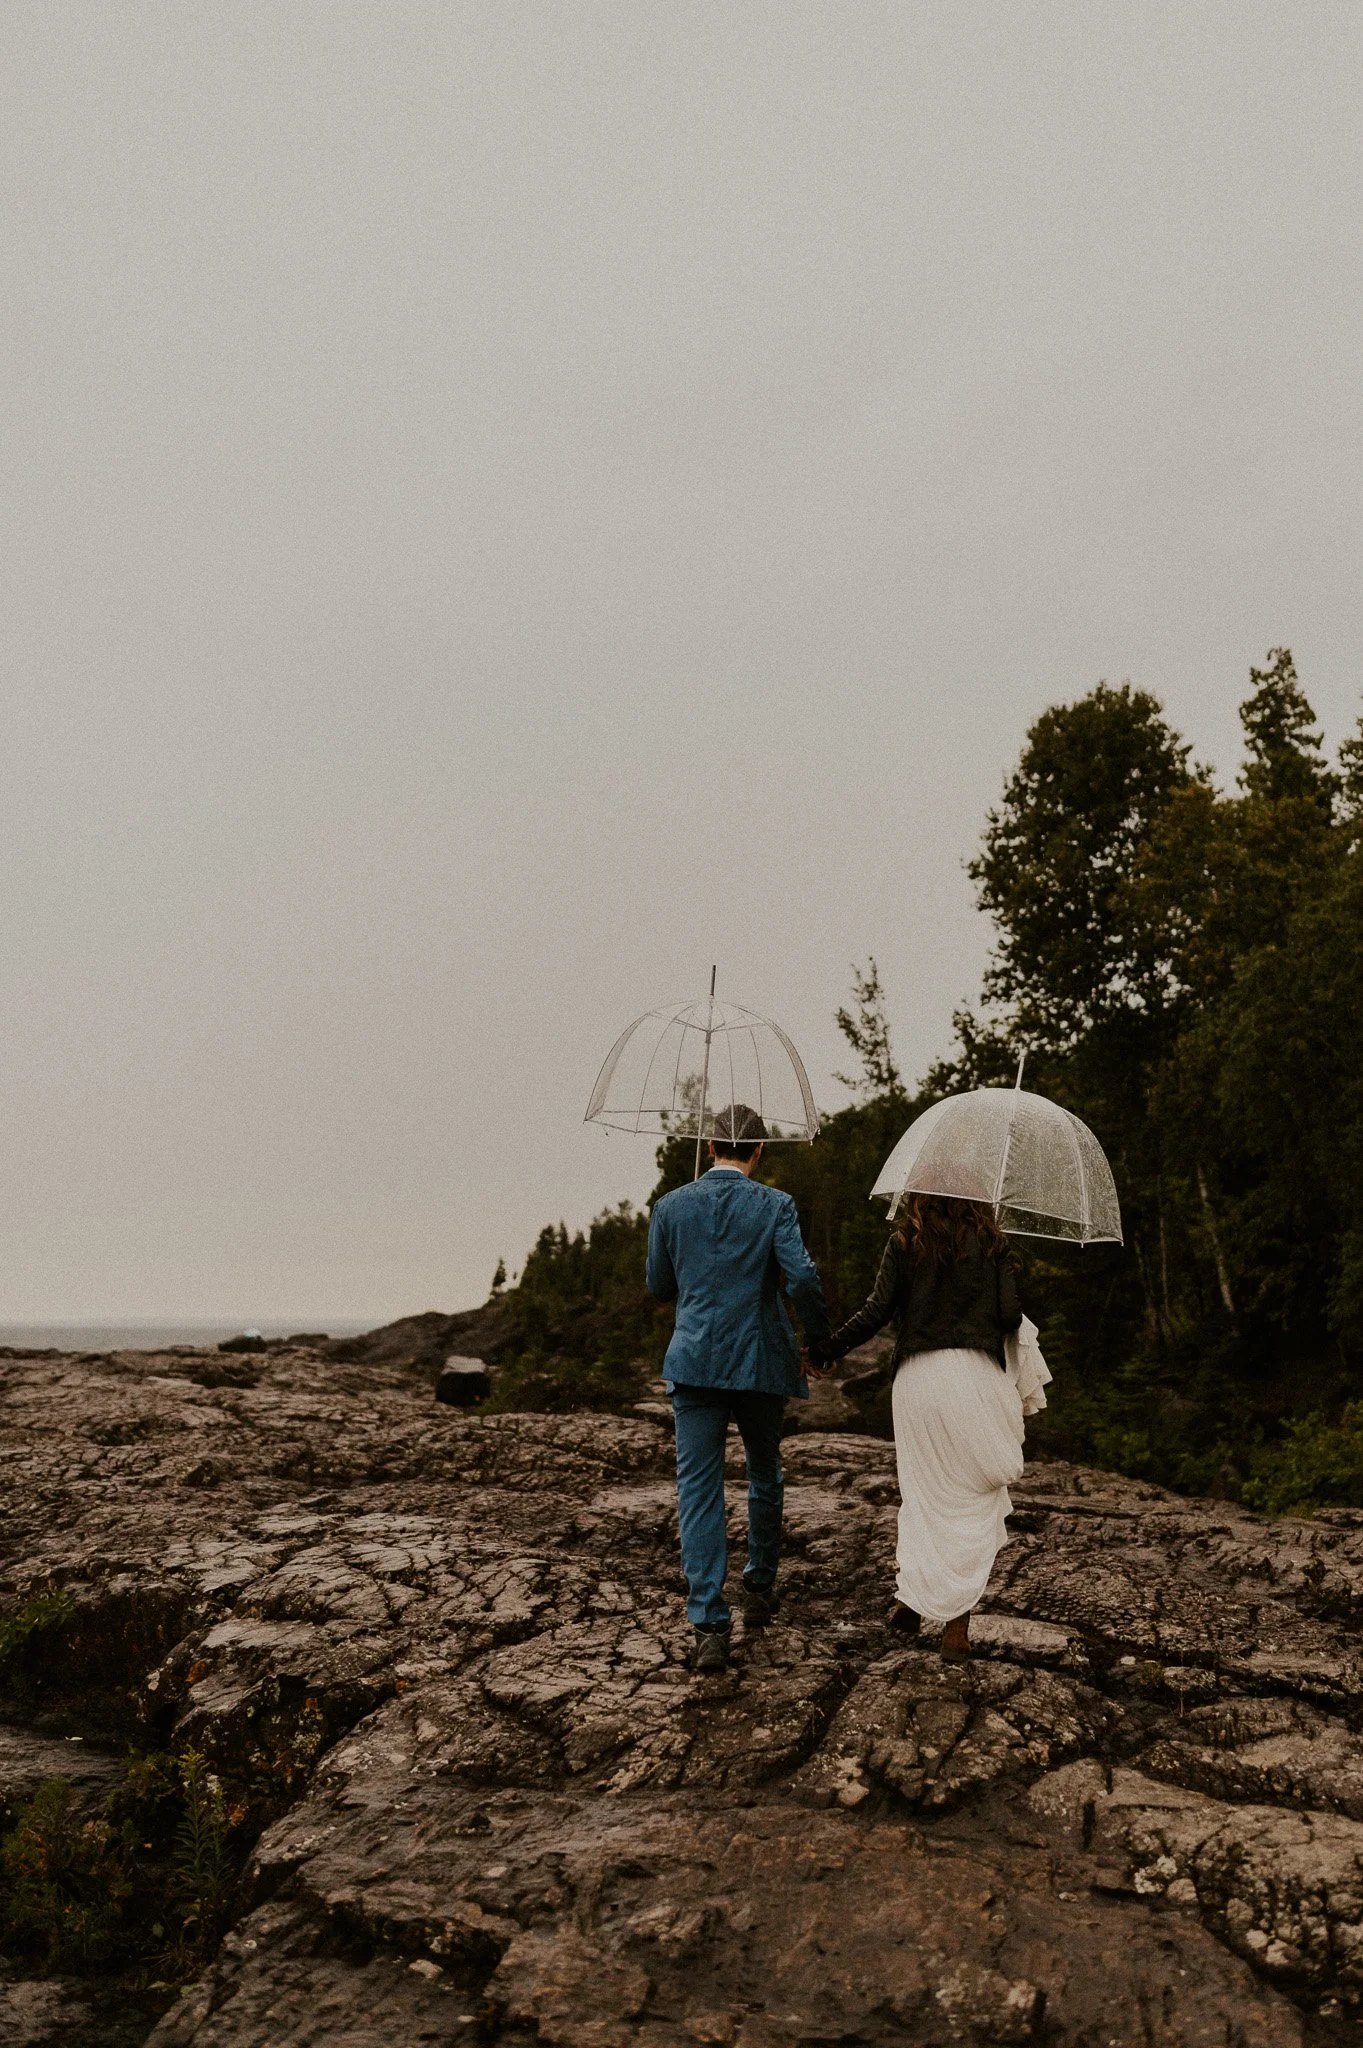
[
  {"x": 440, "y": 1662},
  {"x": 62, "y": 2012},
  {"x": 631, "y": 1922},
  {"x": 1014, "y": 1636},
  {"x": 28, "y": 1759}
]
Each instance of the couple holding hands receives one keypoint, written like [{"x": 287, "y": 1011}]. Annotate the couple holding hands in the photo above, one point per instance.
[{"x": 718, "y": 1248}]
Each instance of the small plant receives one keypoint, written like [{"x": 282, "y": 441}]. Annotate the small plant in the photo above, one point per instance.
[
  {"x": 144, "y": 1889},
  {"x": 64, "y": 1882},
  {"x": 43, "y": 1611},
  {"x": 204, "y": 1873}
]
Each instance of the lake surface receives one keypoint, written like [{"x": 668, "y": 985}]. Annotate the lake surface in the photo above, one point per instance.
[{"x": 154, "y": 1336}]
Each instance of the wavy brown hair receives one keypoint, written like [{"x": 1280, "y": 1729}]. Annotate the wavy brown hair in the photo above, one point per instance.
[{"x": 939, "y": 1230}]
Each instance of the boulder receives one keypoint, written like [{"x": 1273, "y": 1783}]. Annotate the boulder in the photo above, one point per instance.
[{"x": 462, "y": 1382}]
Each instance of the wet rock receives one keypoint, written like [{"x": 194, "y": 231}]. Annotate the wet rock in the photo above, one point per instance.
[
  {"x": 827, "y": 1407},
  {"x": 44, "y": 2015},
  {"x": 439, "y": 1662},
  {"x": 462, "y": 1382},
  {"x": 315, "y": 1989},
  {"x": 1265, "y": 1750},
  {"x": 28, "y": 1760},
  {"x": 645, "y": 1920},
  {"x": 1285, "y": 1888},
  {"x": 937, "y": 1733}
]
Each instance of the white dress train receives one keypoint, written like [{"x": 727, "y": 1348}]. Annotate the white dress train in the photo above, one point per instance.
[{"x": 958, "y": 1428}]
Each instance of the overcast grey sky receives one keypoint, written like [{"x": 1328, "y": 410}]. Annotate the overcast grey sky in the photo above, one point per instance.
[{"x": 506, "y": 504}]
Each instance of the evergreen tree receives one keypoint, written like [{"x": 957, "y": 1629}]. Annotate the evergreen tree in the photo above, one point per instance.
[
  {"x": 1351, "y": 781},
  {"x": 1222, "y": 875},
  {"x": 1282, "y": 743}
]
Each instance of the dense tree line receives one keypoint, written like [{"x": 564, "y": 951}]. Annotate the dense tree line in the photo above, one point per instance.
[{"x": 1182, "y": 965}]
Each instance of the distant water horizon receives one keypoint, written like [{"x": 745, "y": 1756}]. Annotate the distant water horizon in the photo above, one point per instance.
[{"x": 160, "y": 1336}]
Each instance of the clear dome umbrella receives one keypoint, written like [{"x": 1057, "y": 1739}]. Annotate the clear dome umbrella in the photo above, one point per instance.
[
  {"x": 673, "y": 1071},
  {"x": 1042, "y": 1171}
]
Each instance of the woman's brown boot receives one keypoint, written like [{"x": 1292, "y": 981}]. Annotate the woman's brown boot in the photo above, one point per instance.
[
  {"x": 956, "y": 1640},
  {"x": 903, "y": 1620}
]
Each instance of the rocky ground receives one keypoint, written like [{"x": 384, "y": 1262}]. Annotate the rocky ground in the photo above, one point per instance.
[{"x": 437, "y": 1662}]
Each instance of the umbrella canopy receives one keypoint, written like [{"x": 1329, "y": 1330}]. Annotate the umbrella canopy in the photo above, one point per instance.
[
  {"x": 1041, "y": 1169},
  {"x": 673, "y": 1071}
]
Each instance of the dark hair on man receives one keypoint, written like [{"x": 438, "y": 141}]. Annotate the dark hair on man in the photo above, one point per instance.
[{"x": 739, "y": 1132}]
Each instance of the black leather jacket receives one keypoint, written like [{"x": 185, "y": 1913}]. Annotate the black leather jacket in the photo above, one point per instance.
[{"x": 969, "y": 1303}]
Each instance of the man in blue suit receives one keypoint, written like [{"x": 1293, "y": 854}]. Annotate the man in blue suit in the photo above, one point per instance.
[{"x": 717, "y": 1247}]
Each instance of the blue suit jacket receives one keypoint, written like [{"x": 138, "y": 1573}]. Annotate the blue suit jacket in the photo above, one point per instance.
[{"x": 717, "y": 1247}]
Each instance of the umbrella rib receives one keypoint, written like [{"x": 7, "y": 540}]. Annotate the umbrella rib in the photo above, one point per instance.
[
  {"x": 648, "y": 1074},
  {"x": 705, "y": 1070},
  {"x": 798, "y": 1067},
  {"x": 600, "y": 1092},
  {"x": 1085, "y": 1220},
  {"x": 729, "y": 1049},
  {"x": 676, "y": 1071},
  {"x": 757, "y": 1062},
  {"x": 1007, "y": 1148}
]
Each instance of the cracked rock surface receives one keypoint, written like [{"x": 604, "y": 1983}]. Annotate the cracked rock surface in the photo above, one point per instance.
[{"x": 440, "y": 1660}]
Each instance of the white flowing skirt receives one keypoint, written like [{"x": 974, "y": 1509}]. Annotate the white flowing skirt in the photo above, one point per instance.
[{"x": 958, "y": 1440}]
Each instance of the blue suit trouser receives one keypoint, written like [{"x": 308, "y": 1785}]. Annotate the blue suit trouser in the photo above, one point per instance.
[{"x": 702, "y": 1416}]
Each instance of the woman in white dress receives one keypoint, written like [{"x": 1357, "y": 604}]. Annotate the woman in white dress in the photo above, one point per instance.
[{"x": 947, "y": 1282}]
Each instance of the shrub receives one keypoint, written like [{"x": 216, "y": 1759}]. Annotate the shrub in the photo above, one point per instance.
[
  {"x": 547, "y": 1384},
  {"x": 145, "y": 1887},
  {"x": 64, "y": 1883},
  {"x": 44, "y": 1611},
  {"x": 1319, "y": 1464}
]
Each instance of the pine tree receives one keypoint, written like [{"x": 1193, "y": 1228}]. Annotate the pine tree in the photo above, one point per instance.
[
  {"x": 1282, "y": 742},
  {"x": 1351, "y": 778}
]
